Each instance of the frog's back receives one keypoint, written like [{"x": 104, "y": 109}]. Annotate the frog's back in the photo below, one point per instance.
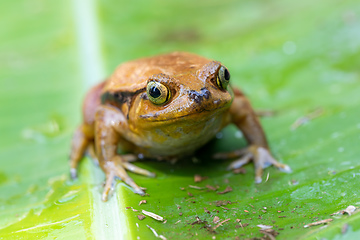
[{"x": 132, "y": 76}]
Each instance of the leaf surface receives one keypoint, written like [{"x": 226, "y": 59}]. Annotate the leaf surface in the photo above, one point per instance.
[{"x": 298, "y": 59}]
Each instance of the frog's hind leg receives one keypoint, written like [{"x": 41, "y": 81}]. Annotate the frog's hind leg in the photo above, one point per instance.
[
  {"x": 243, "y": 116},
  {"x": 84, "y": 135},
  {"x": 81, "y": 140}
]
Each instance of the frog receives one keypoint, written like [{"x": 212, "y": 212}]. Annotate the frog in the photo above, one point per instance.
[{"x": 165, "y": 107}]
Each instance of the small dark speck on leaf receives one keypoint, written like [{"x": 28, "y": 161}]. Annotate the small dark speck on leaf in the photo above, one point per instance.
[
  {"x": 222, "y": 203},
  {"x": 198, "y": 221},
  {"x": 269, "y": 233},
  {"x": 211, "y": 188},
  {"x": 318, "y": 223},
  {"x": 239, "y": 170},
  {"x": 349, "y": 210},
  {"x": 227, "y": 189},
  {"x": 207, "y": 211},
  {"x": 294, "y": 182},
  {"x": 222, "y": 222},
  {"x": 142, "y": 201},
  {"x": 199, "y": 178}
]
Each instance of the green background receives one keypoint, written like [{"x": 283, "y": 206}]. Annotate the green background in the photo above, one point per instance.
[{"x": 292, "y": 57}]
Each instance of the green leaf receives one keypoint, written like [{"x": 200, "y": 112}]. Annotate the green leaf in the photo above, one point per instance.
[{"x": 295, "y": 58}]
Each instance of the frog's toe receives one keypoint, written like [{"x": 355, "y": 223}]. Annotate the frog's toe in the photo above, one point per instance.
[
  {"x": 139, "y": 191},
  {"x": 135, "y": 169},
  {"x": 258, "y": 179},
  {"x": 108, "y": 185},
  {"x": 124, "y": 161},
  {"x": 129, "y": 181},
  {"x": 268, "y": 160},
  {"x": 285, "y": 168},
  {"x": 262, "y": 159},
  {"x": 240, "y": 162},
  {"x": 73, "y": 173},
  {"x": 129, "y": 157}
]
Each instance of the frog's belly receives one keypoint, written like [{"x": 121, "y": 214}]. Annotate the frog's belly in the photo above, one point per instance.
[{"x": 180, "y": 138}]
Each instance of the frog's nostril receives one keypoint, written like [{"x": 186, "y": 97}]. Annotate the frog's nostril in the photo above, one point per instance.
[
  {"x": 198, "y": 97},
  {"x": 205, "y": 93}
]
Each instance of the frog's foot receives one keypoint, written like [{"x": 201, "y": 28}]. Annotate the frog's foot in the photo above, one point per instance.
[
  {"x": 259, "y": 155},
  {"x": 117, "y": 169}
]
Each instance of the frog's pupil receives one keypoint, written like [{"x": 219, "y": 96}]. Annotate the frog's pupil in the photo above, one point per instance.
[
  {"x": 154, "y": 92},
  {"x": 227, "y": 75}
]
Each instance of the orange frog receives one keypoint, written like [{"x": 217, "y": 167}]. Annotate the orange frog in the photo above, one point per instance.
[{"x": 165, "y": 107}]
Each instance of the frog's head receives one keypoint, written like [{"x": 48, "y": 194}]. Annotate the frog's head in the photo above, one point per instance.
[
  {"x": 172, "y": 103},
  {"x": 198, "y": 92}
]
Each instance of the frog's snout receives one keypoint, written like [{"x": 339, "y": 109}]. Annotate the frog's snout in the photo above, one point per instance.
[{"x": 198, "y": 97}]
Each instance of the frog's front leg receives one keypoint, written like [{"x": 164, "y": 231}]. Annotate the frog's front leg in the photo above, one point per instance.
[
  {"x": 243, "y": 116},
  {"x": 110, "y": 124}
]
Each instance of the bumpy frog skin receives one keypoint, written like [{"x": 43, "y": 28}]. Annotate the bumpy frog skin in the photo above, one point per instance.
[{"x": 165, "y": 107}]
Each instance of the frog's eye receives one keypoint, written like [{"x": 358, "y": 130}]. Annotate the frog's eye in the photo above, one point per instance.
[
  {"x": 158, "y": 93},
  {"x": 223, "y": 78}
]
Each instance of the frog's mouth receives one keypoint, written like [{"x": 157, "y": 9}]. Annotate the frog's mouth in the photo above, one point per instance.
[{"x": 198, "y": 114}]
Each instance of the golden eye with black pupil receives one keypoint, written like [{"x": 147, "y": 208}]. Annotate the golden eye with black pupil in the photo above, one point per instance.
[
  {"x": 223, "y": 78},
  {"x": 158, "y": 93}
]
